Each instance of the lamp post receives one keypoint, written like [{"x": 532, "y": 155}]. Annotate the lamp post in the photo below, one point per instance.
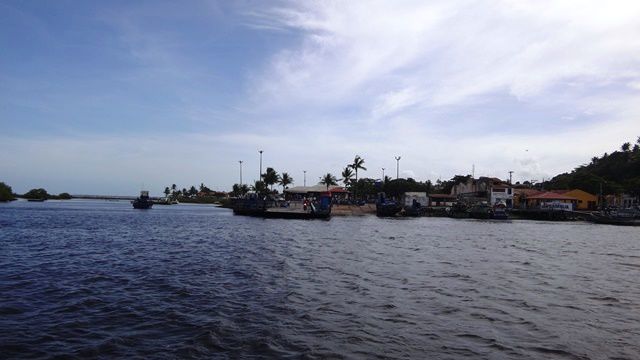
[
  {"x": 305, "y": 178},
  {"x": 397, "y": 167},
  {"x": 260, "y": 151},
  {"x": 383, "y": 174},
  {"x": 240, "y": 161}
]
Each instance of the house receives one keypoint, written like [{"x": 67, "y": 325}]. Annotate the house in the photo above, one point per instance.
[
  {"x": 550, "y": 199},
  {"x": 520, "y": 196},
  {"x": 586, "y": 201},
  {"x": 488, "y": 189},
  {"x": 441, "y": 200}
]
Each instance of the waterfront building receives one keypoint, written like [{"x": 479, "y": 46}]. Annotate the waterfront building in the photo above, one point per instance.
[
  {"x": 436, "y": 200},
  {"x": 491, "y": 190},
  {"x": 586, "y": 201},
  {"x": 550, "y": 199}
]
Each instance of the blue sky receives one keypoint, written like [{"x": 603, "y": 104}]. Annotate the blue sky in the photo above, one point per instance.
[{"x": 107, "y": 97}]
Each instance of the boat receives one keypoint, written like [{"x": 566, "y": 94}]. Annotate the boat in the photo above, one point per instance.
[
  {"x": 386, "y": 207},
  {"x": 625, "y": 217},
  {"x": 253, "y": 204},
  {"x": 143, "y": 201},
  {"x": 500, "y": 211},
  {"x": 481, "y": 211}
]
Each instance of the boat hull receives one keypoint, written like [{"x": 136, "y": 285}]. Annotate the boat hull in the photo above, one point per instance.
[{"x": 600, "y": 219}]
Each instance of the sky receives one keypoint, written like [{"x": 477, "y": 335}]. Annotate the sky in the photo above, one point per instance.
[{"x": 112, "y": 97}]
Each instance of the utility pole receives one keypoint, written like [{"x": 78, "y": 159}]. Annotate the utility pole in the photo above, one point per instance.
[
  {"x": 510, "y": 172},
  {"x": 397, "y": 167},
  {"x": 260, "y": 151},
  {"x": 305, "y": 178},
  {"x": 240, "y": 161},
  {"x": 383, "y": 174}
]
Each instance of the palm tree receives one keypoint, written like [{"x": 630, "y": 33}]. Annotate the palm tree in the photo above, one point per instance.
[
  {"x": 347, "y": 174},
  {"x": 625, "y": 147},
  {"x": 358, "y": 163},
  {"x": 259, "y": 187},
  {"x": 270, "y": 177},
  {"x": 285, "y": 180},
  {"x": 329, "y": 180}
]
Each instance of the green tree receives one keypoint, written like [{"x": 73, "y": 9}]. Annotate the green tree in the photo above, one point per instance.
[
  {"x": 167, "y": 191},
  {"x": 270, "y": 177},
  {"x": 625, "y": 147},
  {"x": 6, "y": 193},
  {"x": 285, "y": 179},
  {"x": 193, "y": 191},
  {"x": 347, "y": 174},
  {"x": 358, "y": 164},
  {"x": 37, "y": 194},
  {"x": 259, "y": 187},
  {"x": 64, "y": 196},
  {"x": 329, "y": 180}
]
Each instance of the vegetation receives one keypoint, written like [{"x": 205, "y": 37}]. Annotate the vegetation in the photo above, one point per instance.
[
  {"x": 6, "y": 193},
  {"x": 259, "y": 187},
  {"x": 347, "y": 174},
  {"x": 618, "y": 172},
  {"x": 284, "y": 180},
  {"x": 64, "y": 196},
  {"x": 329, "y": 180},
  {"x": 36, "y": 194},
  {"x": 239, "y": 190},
  {"x": 270, "y": 177}
]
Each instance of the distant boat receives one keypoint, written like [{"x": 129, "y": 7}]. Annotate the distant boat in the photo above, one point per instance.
[
  {"x": 386, "y": 207},
  {"x": 627, "y": 217},
  {"x": 253, "y": 204},
  {"x": 500, "y": 211},
  {"x": 143, "y": 201}
]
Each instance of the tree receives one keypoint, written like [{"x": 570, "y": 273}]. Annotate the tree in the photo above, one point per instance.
[
  {"x": 347, "y": 174},
  {"x": 6, "y": 193},
  {"x": 270, "y": 177},
  {"x": 358, "y": 163},
  {"x": 185, "y": 192},
  {"x": 239, "y": 190},
  {"x": 626, "y": 146},
  {"x": 36, "y": 194},
  {"x": 259, "y": 187},
  {"x": 329, "y": 180},
  {"x": 285, "y": 180},
  {"x": 167, "y": 191},
  {"x": 64, "y": 196},
  {"x": 174, "y": 187},
  {"x": 193, "y": 191}
]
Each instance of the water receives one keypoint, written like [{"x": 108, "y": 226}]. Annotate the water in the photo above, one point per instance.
[{"x": 100, "y": 279}]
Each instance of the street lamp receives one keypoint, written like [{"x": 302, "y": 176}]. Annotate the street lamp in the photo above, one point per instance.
[
  {"x": 382, "y": 174},
  {"x": 260, "y": 151},
  {"x": 240, "y": 161},
  {"x": 397, "y": 167},
  {"x": 305, "y": 178}
]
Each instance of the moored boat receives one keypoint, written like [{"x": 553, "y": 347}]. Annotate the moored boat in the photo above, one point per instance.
[
  {"x": 143, "y": 201},
  {"x": 626, "y": 217},
  {"x": 386, "y": 207}
]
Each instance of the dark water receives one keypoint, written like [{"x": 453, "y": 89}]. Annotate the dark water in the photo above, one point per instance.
[{"x": 99, "y": 279}]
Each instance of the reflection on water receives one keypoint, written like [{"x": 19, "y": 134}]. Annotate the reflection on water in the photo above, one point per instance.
[{"x": 91, "y": 278}]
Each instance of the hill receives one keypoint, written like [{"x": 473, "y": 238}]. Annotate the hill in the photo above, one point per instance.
[{"x": 618, "y": 172}]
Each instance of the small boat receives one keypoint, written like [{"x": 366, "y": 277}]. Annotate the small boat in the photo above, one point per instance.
[
  {"x": 386, "y": 207},
  {"x": 626, "y": 217},
  {"x": 500, "y": 211},
  {"x": 143, "y": 201}
]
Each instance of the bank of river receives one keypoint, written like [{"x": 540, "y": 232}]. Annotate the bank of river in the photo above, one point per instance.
[{"x": 97, "y": 278}]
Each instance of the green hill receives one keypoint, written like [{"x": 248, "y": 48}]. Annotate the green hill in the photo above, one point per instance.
[{"x": 618, "y": 172}]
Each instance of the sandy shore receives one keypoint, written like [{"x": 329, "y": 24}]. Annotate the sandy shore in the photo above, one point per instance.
[{"x": 353, "y": 210}]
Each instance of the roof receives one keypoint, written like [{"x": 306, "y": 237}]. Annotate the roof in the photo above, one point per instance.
[
  {"x": 527, "y": 192},
  {"x": 550, "y": 196},
  {"x": 443, "y": 196},
  {"x": 572, "y": 190}
]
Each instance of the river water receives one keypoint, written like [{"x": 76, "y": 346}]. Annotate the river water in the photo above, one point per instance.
[{"x": 100, "y": 279}]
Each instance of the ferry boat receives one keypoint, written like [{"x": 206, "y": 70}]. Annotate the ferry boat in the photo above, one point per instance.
[
  {"x": 386, "y": 207},
  {"x": 253, "y": 204},
  {"x": 143, "y": 201}
]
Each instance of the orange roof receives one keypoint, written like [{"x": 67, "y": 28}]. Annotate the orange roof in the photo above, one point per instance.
[{"x": 550, "y": 196}]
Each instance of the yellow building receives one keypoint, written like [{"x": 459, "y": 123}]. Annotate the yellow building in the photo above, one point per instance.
[{"x": 585, "y": 201}]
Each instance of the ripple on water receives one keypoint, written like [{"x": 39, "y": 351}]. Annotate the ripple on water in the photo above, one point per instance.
[{"x": 97, "y": 279}]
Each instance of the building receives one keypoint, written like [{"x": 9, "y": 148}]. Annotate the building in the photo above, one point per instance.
[
  {"x": 550, "y": 199},
  {"x": 436, "y": 200},
  {"x": 299, "y": 192},
  {"x": 491, "y": 190},
  {"x": 585, "y": 201}
]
